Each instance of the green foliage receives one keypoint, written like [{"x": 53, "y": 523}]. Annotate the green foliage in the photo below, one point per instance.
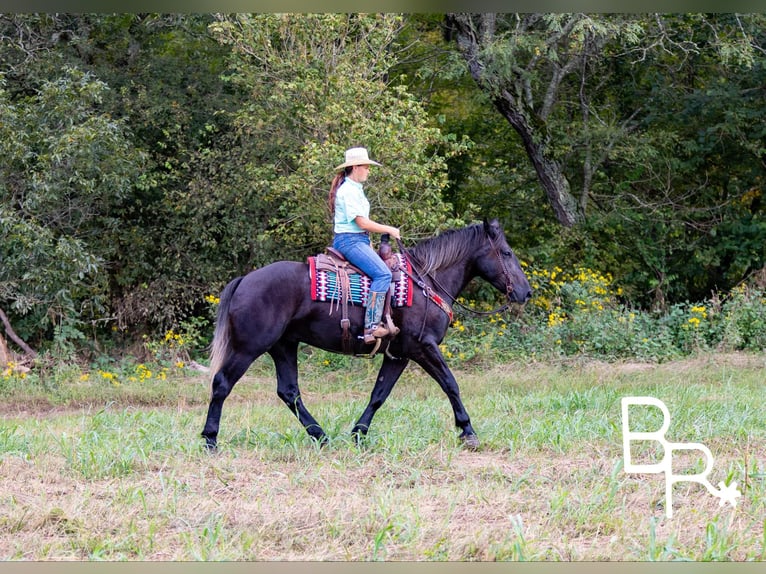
[
  {"x": 67, "y": 167},
  {"x": 148, "y": 158},
  {"x": 743, "y": 319},
  {"x": 581, "y": 313},
  {"x": 318, "y": 85},
  {"x": 654, "y": 122},
  {"x": 179, "y": 347}
]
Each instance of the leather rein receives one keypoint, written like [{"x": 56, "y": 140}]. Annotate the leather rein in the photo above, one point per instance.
[{"x": 445, "y": 306}]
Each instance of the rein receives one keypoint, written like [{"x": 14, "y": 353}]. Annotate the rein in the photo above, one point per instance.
[{"x": 433, "y": 296}]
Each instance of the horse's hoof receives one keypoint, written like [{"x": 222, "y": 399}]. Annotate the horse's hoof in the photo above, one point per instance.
[
  {"x": 211, "y": 446},
  {"x": 359, "y": 436},
  {"x": 470, "y": 441},
  {"x": 321, "y": 440}
]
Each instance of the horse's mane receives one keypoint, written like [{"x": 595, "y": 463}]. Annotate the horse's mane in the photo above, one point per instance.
[{"x": 446, "y": 248}]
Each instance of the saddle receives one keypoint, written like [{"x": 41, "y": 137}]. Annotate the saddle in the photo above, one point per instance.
[{"x": 333, "y": 261}]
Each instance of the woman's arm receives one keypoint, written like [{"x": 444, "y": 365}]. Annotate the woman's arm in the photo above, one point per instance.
[{"x": 374, "y": 227}]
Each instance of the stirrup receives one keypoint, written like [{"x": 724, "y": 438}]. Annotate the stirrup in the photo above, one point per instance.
[
  {"x": 393, "y": 330},
  {"x": 376, "y": 332}
]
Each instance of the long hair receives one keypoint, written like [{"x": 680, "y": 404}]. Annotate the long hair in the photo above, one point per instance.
[
  {"x": 220, "y": 349},
  {"x": 339, "y": 178}
]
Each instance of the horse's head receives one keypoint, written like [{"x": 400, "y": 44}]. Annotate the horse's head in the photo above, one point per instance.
[{"x": 498, "y": 265}]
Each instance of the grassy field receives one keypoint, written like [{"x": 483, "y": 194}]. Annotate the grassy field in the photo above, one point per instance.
[{"x": 96, "y": 471}]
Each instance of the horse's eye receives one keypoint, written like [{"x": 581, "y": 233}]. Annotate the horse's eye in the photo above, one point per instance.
[{"x": 507, "y": 253}]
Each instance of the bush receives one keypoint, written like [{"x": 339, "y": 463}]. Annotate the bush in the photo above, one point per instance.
[
  {"x": 580, "y": 313},
  {"x": 743, "y": 319}
]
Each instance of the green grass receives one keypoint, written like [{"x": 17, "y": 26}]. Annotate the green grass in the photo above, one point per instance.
[{"x": 96, "y": 471}]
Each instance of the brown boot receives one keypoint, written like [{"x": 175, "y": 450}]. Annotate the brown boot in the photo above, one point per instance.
[{"x": 375, "y": 333}]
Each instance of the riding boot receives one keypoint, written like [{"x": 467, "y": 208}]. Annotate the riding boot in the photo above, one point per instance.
[{"x": 373, "y": 328}]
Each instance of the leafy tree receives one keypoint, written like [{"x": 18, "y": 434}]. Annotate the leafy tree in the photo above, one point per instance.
[
  {"x": 163, "y": 73},
  {"x": 175, "y": 248},
  {"x": 494, "y": 177},
  {"x": 608, "y": 105},
  {"x": 66, "y": 167},
  {"x": 681, "y": 187},
  {"x": 318, "y": 84}
]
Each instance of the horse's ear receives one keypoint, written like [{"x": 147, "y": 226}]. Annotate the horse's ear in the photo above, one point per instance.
[{"x": 492, "y": 227}]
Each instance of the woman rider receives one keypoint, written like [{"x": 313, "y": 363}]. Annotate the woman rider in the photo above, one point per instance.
[{"x": 352, "y": 227}]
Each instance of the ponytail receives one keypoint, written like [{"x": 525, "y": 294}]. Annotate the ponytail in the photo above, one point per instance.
[{"x": 339, "y": 178}]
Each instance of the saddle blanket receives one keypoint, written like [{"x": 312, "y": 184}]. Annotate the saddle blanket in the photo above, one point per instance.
[{"x": 325, "y": 285}]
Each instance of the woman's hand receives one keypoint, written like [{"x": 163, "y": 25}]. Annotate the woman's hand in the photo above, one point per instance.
[{"x": 374, "y": 227}]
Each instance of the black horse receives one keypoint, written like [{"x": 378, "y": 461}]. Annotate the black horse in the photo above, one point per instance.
[{"x": 270, "y": 310}]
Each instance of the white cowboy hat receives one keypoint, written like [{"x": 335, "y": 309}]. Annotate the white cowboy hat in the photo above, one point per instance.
[{"x": 356, "y": 156}]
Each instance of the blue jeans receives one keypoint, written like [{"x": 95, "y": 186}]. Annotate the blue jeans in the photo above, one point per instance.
[{"x": 357, "y": 249}]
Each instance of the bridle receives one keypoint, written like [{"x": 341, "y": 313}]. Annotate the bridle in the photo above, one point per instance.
[
  {"x": 507, "y": 273},
  {"x": 446, "y": 307}
]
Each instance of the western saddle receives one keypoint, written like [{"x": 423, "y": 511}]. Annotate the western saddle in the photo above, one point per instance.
[{"x": 335, "y": 262}]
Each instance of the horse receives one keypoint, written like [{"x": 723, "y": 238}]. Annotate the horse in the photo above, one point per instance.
[{"x": 270, "y": 310}]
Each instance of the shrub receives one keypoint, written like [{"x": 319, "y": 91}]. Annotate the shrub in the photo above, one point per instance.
[{"x": 581, "y": 313}]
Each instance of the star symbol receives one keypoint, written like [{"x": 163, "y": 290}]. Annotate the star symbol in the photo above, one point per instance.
[{"x": 728, "y": 494}]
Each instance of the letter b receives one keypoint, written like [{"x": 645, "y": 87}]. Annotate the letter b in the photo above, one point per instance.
[{"x": 658, "y": 435}]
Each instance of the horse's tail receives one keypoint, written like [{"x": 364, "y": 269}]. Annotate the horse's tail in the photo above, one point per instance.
[{"x": 219, "y": 349}]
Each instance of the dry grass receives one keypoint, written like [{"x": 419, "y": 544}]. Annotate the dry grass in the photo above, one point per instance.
[{"x": 128, "y": 483}]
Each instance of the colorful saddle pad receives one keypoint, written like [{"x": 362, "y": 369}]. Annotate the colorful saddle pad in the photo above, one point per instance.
[{"x": 325, "y": 285}]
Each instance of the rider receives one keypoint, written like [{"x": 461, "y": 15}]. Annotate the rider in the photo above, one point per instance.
[{"x": 352, "y": 227}]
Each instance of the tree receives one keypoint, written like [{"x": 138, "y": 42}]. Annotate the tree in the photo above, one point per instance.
[
  {"x": 161, "y": 76},
  {"x": 603, "y": 105},
  {"x": 504, "y": 63},
  {"x": 681, "y": 190},
  {"x": 66, "y": 168},
  {"x": 537, "y": 67},
  {"x": 318, "y": 84}
]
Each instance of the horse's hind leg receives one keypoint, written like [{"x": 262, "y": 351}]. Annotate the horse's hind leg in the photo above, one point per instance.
[
  {"x": 389, "y": 373},
  {"x": 285, "y": 355},
  {"x": 223, "y": 382}
]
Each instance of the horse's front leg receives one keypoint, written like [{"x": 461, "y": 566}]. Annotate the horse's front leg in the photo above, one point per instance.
[
  {"x": 434, "y": 364},
  {"x": 389, "y": 373}
]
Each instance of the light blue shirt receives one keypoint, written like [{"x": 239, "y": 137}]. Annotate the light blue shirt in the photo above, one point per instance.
[{"x": 350, "y": 202}]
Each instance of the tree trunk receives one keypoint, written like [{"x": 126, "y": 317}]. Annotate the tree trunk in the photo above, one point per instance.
[
  {"x": 14, "y": 337},
  {"x": 4, "y": 354},
  {"x": 549, "y": 174},
  {"x": 471, "y": 34}
]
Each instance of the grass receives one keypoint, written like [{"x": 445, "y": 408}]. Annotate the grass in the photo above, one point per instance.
[{"x": 93, "y": 471}]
